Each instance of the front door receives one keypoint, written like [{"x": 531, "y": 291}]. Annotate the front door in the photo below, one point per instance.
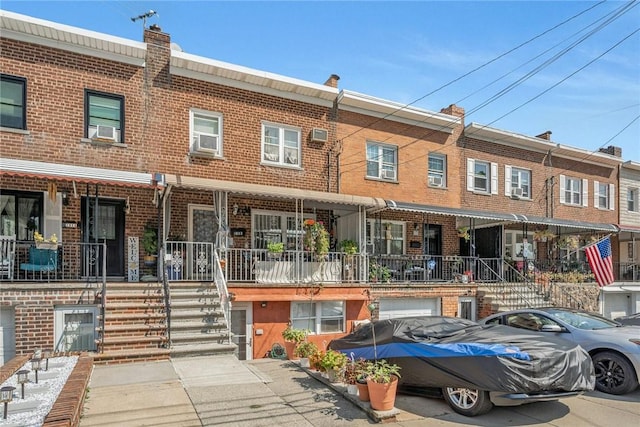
[
  {"x": 241, "y": 329},
  {"x": 433, "y": 246},
  {"x": 106, "y": 224},
  {"x": 203, "y": 228}
]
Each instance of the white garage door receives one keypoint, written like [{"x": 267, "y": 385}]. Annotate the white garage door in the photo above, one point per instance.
[
  {"x": 407, "y": 307},
  {"x": 7, "y": 335},
  {"x": 616, "y": 305}
]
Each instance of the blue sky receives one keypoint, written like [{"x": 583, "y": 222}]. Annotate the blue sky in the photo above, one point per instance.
[{"x": 589, "y": 96}]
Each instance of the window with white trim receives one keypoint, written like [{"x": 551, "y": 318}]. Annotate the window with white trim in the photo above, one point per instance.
[
  {"x": 277, "y": 227},
  {"x": 385, "y": 237},
  {"x": 437, "y": 170},
  {"x": 280, "y": 145},
  {"x": 482, "y": 176},
  {"x": 75, "y": 328},
  {"x": 320, "y": 317},
  {"x": 13, "y": 102},
  {"x": 574, "y": 191},
  {"x": 517, "y": 182},
  {"x": 205, "y": 129},
  {"x": 104, "y": 116},
  {"x": 603, "y": 195},
  {"x": 382, "y": 161},
  {"x": 632, "y": 199}
]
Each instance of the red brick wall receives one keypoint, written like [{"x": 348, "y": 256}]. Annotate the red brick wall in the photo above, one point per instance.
[{"x": 34, "y": 311}]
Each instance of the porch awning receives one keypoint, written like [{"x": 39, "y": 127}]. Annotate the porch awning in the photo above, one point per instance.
[
  {"x": 442, "y": 210},
  {"x": 16, "y": 167},
  {"x": 503, "y": 217},
  {"x": 271, "y": 191}
]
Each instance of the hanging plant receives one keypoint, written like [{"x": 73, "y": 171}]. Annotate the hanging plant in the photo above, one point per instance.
[
  {"x": 463, "y": 232},
  {"x": 543, "y": 235},
  {"x": 316, "y": 237}
]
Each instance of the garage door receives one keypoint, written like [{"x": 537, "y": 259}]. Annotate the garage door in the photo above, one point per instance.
[
  {"x": 7, "y": 335},
  {"x": 616, "y": 304},
  {"x": 408, "y": 307}
]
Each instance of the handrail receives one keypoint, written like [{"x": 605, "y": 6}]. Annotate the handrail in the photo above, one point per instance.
[
  {"x": 103, "y": 304},
  {"x": 167, "y": 296},
  {"x": 223, "y": 292}
]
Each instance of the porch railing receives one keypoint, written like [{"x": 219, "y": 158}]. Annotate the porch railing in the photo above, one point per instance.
[
  {"x": 68, "y": 261},
  {"x": 626, "y": 271},
  {"x": 223, "y": 292}
]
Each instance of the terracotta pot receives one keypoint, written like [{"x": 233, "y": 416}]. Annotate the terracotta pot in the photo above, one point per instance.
[
  {"x": 383, "y": 395},
  {"x": 363, "y": 392},
  {"x": 290, "y": 346}
]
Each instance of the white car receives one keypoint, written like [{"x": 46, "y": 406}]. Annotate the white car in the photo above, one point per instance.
[{"x": 614, "y": 348}]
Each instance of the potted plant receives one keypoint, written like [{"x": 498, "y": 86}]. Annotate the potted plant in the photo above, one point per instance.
[
  {"x": 543, "y": 235},
  {"x": 304, "y": 351},
  {"x": 315, "y": 360},
  {"x": 355, "y": 376},
  {"x": 275, "y": 249},
  {"x": 379, "y": 272},
  {"x": 42, "y": 243},
  {"x": 293, "y": 337},
  {"x": 463, "y": 232},
  {"x": 316, "y": 238},
  {"x": 382, "y": 383},
  {"x": 333, "y": 362},
  {"x": 150, "y": 245},
  {"x": 349, "y": 247}
]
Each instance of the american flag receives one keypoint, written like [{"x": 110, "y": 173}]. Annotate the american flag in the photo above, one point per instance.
[{"x": 599, "y": 257}]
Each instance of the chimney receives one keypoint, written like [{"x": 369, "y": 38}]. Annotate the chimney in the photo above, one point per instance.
[
  {"x": 612, "y": 150},
  {"x": 545, "y": 135},
  {"x": 158, "y": 55},
  {"x": 332, "y": 80},
  {"x": 453, "y": 110}
]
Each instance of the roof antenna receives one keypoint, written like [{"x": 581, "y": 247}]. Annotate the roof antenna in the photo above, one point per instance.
[{"x": 144, "y": 17}]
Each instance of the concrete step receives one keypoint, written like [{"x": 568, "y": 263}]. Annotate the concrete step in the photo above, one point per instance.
[
  {"x": 130, "y": 355},
  {"x": 200, "y": 349},
  {"x": 195, "y": 337}
]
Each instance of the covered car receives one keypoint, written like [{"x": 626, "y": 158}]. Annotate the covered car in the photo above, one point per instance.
[{"x": 474, "y": 366}]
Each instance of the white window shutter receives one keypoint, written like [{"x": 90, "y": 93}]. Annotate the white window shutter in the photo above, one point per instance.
[
  {"x": 52, "y": 216},
  {"x": 596, "y": 193},
  {"x": 612, "y": 197},
  {"x": 563, "y": 188},
  {"x": 585, "y": 192},
  {"x": 470, "y": 171},
  {"x": 494, "y": 178},
  {"x": 507, "y": 180}
]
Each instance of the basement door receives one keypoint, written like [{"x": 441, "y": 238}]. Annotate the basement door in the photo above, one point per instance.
[{"x": 242, "y": 330}]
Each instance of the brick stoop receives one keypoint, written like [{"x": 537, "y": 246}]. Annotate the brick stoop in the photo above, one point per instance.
[{"x": 67, "y": 409}]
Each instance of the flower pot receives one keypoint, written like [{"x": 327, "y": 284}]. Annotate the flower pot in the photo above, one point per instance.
[
  {"x": 47, "y": 245},
  {"x": 383, "y": 395},
  {"x": 352, "y": 389},
  {"x": 290, "y": 346},
  {"x": 333, "y": 375},
  {"x": 363, "y": 391},
  {"x": 304, "y": 362}
]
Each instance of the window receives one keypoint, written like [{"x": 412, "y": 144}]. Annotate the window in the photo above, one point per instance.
[
  {"x": 320, "y": 317},
  {"x": 21, "y": 214},
  {"x": 104, "y": 116},
  {"x": 573, "y": 191},
  {"x": 603, "y": 195},
  {"x": 280, "y": 145},
  {"x": 482, "y": 177},
  {"x": 437, "y": 170},
  {"x": 13, "y": 95},
  {"x": 277, "y": 227},
  {"x": 75, "y": 328},
  {"x": 206, "y": 132},
  {"x": 632, "y": 199},
  {"x": 382, "y": 161},
  {"x": 386, "y": 237},
  {"x": 517, "y": 182},
  {"x": 518, "y": 246}
]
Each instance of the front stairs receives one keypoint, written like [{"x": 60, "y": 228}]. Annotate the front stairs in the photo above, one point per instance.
[
  {"x": 198, "y": 327},
  {"x": 136, "y": 327},
  {"x": 511, "y": 296}
]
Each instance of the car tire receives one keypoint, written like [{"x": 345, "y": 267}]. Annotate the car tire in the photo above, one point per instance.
[
  {"x": 467, "y": 402},
  {"x": 614, "y": 374}
]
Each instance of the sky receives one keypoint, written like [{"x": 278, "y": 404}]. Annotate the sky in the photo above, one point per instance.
[{"x": 570, "y": 67}]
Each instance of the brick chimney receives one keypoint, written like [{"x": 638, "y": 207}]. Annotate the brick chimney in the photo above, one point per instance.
[
  {"x": 158, "y": 56},
  {"x": 332, "y": 80},
  {"x": 453, "y": 110},
  {"x": 545, "y": 135},
  {"x": 612, "y": 150}
]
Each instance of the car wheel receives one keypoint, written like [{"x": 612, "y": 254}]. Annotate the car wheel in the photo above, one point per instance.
[
  {"x": 614, "y": 374},
  {"x": 466, "y": 401}
]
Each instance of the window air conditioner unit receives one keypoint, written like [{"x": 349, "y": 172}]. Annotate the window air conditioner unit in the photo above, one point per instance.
[
  {"x": 516, "y": 192},
  {"x": 106, "y": 132},
  {"x": 319, "y": 135},
  {"x": 388, "y": 174},
  {"x": 435, "y": 181},
  {"x": 206, "y": 143}
]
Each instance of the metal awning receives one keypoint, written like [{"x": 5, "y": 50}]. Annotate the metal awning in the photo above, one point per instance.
[
  {"x": 15, "y": 167},
  {"x": 497, "y": 216},
  {"x": 271, "y": 191}
]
